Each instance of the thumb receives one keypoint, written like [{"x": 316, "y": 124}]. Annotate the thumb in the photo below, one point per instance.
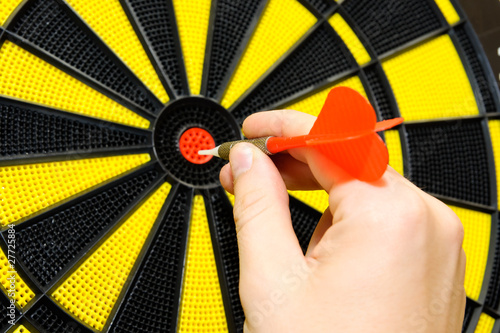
[{"x": 266, "y": 240}]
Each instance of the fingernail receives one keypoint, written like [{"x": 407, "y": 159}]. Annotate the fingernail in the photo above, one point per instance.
[{"x": 241, "y": 159}]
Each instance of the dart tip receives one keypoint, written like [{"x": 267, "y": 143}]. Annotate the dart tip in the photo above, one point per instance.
[{"x": 213, "y": 152}]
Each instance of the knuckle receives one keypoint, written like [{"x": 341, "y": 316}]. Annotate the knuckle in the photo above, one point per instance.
[
  {"x": 448, "y": 223},
  {"x": 412, "y": 215},
  {"x": 454, "y": 229},
  {"x": 276, "y": 121},
  {"x": 407, "y": 223}
]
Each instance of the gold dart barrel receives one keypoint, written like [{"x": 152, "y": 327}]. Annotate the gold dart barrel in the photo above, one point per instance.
[{"x": 223, "y": 150}]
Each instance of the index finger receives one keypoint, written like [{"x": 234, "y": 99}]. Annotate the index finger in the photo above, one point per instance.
[
  {"x": 280, "y": 123},
  {"x": 295, "y": 123}
]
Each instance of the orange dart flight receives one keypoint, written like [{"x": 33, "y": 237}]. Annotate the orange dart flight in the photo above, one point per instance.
[{"x": 345, "y": 132}]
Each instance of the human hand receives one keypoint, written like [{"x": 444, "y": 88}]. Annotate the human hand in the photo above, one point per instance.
[{"x": 385, "y": 256}]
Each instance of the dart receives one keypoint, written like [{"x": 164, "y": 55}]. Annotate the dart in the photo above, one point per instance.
[{"x": 345, "y": 132}]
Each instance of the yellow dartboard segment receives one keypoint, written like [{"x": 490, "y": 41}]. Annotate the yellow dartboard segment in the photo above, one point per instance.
[
  {"x": 494, "y": 126},
  {"x": 448, "y": 11},
  {"x": 315, "y": 199},
  {"x": 25, "y": 76},
  {"x": 429, "y": 82},
  {"x": 192, "y": 22},
  {"x": 14, "y": 285},
  {"x": 230, "y": 197},
  {"x": 6, "y": 9},
  {"x": 202, "y": 309},
  {"x": 477, "y": 228},
  {"x": 21, "y": 329},
  {"x": 29, "y": 188},
  {"x": 109, "y": 21},
  {"x": 485, "y": 324},
  {"x": 393, "y": 142},
  {"x": 313, "y": 104},
  {"x": 350, "y": 39},
  {"x": 281, "y": 25},
  {"x": 92, "y": 290}
]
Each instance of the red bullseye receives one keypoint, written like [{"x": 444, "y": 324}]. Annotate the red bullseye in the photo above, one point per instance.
[{"x": 193, "y": 140}]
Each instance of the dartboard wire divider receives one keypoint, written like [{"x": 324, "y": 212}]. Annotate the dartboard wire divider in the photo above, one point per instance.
[{"x": 118, "y": 110}]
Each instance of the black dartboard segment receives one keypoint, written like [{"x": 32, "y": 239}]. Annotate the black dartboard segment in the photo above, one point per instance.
[
  {"x": 51, "y": 26},
  {"x": 321, "y": 56},
  {"x": 232, "y": 25},
  {"x": 304, "y": 220},
  {"x": 444, "y": 163},
  {"x": 322, "y": 6},
  {"x": 151, "y": 305},
  {"x": 225, "y": 235},
  {"x": 381, "y": 95},
  {"x": 389, "y": 24},
  {"x": 477, "y": 67},
  {"x": 47, "y": 317},
  {"x": 493, "y": 295},
  {"x": 26, "y": 130},
  {"x": 47, "y": 246},
  {"x": 156, "y": 20},
  {"x": 6, "y": 312}
]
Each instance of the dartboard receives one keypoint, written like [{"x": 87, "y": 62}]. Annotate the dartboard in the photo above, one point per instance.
[{"x": 111, "y": 222}]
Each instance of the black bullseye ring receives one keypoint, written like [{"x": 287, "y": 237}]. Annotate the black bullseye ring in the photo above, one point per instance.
[{"x": 181, "y": 115}]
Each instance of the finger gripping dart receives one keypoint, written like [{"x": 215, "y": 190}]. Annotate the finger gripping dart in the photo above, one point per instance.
[{"x": 345, "y": 132}]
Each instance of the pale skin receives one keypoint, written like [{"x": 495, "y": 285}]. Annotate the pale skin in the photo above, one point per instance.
[{"x": 385, "y": 256}]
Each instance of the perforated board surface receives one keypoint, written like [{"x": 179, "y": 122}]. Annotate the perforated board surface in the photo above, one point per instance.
[{"x": 117, "y": 232}]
